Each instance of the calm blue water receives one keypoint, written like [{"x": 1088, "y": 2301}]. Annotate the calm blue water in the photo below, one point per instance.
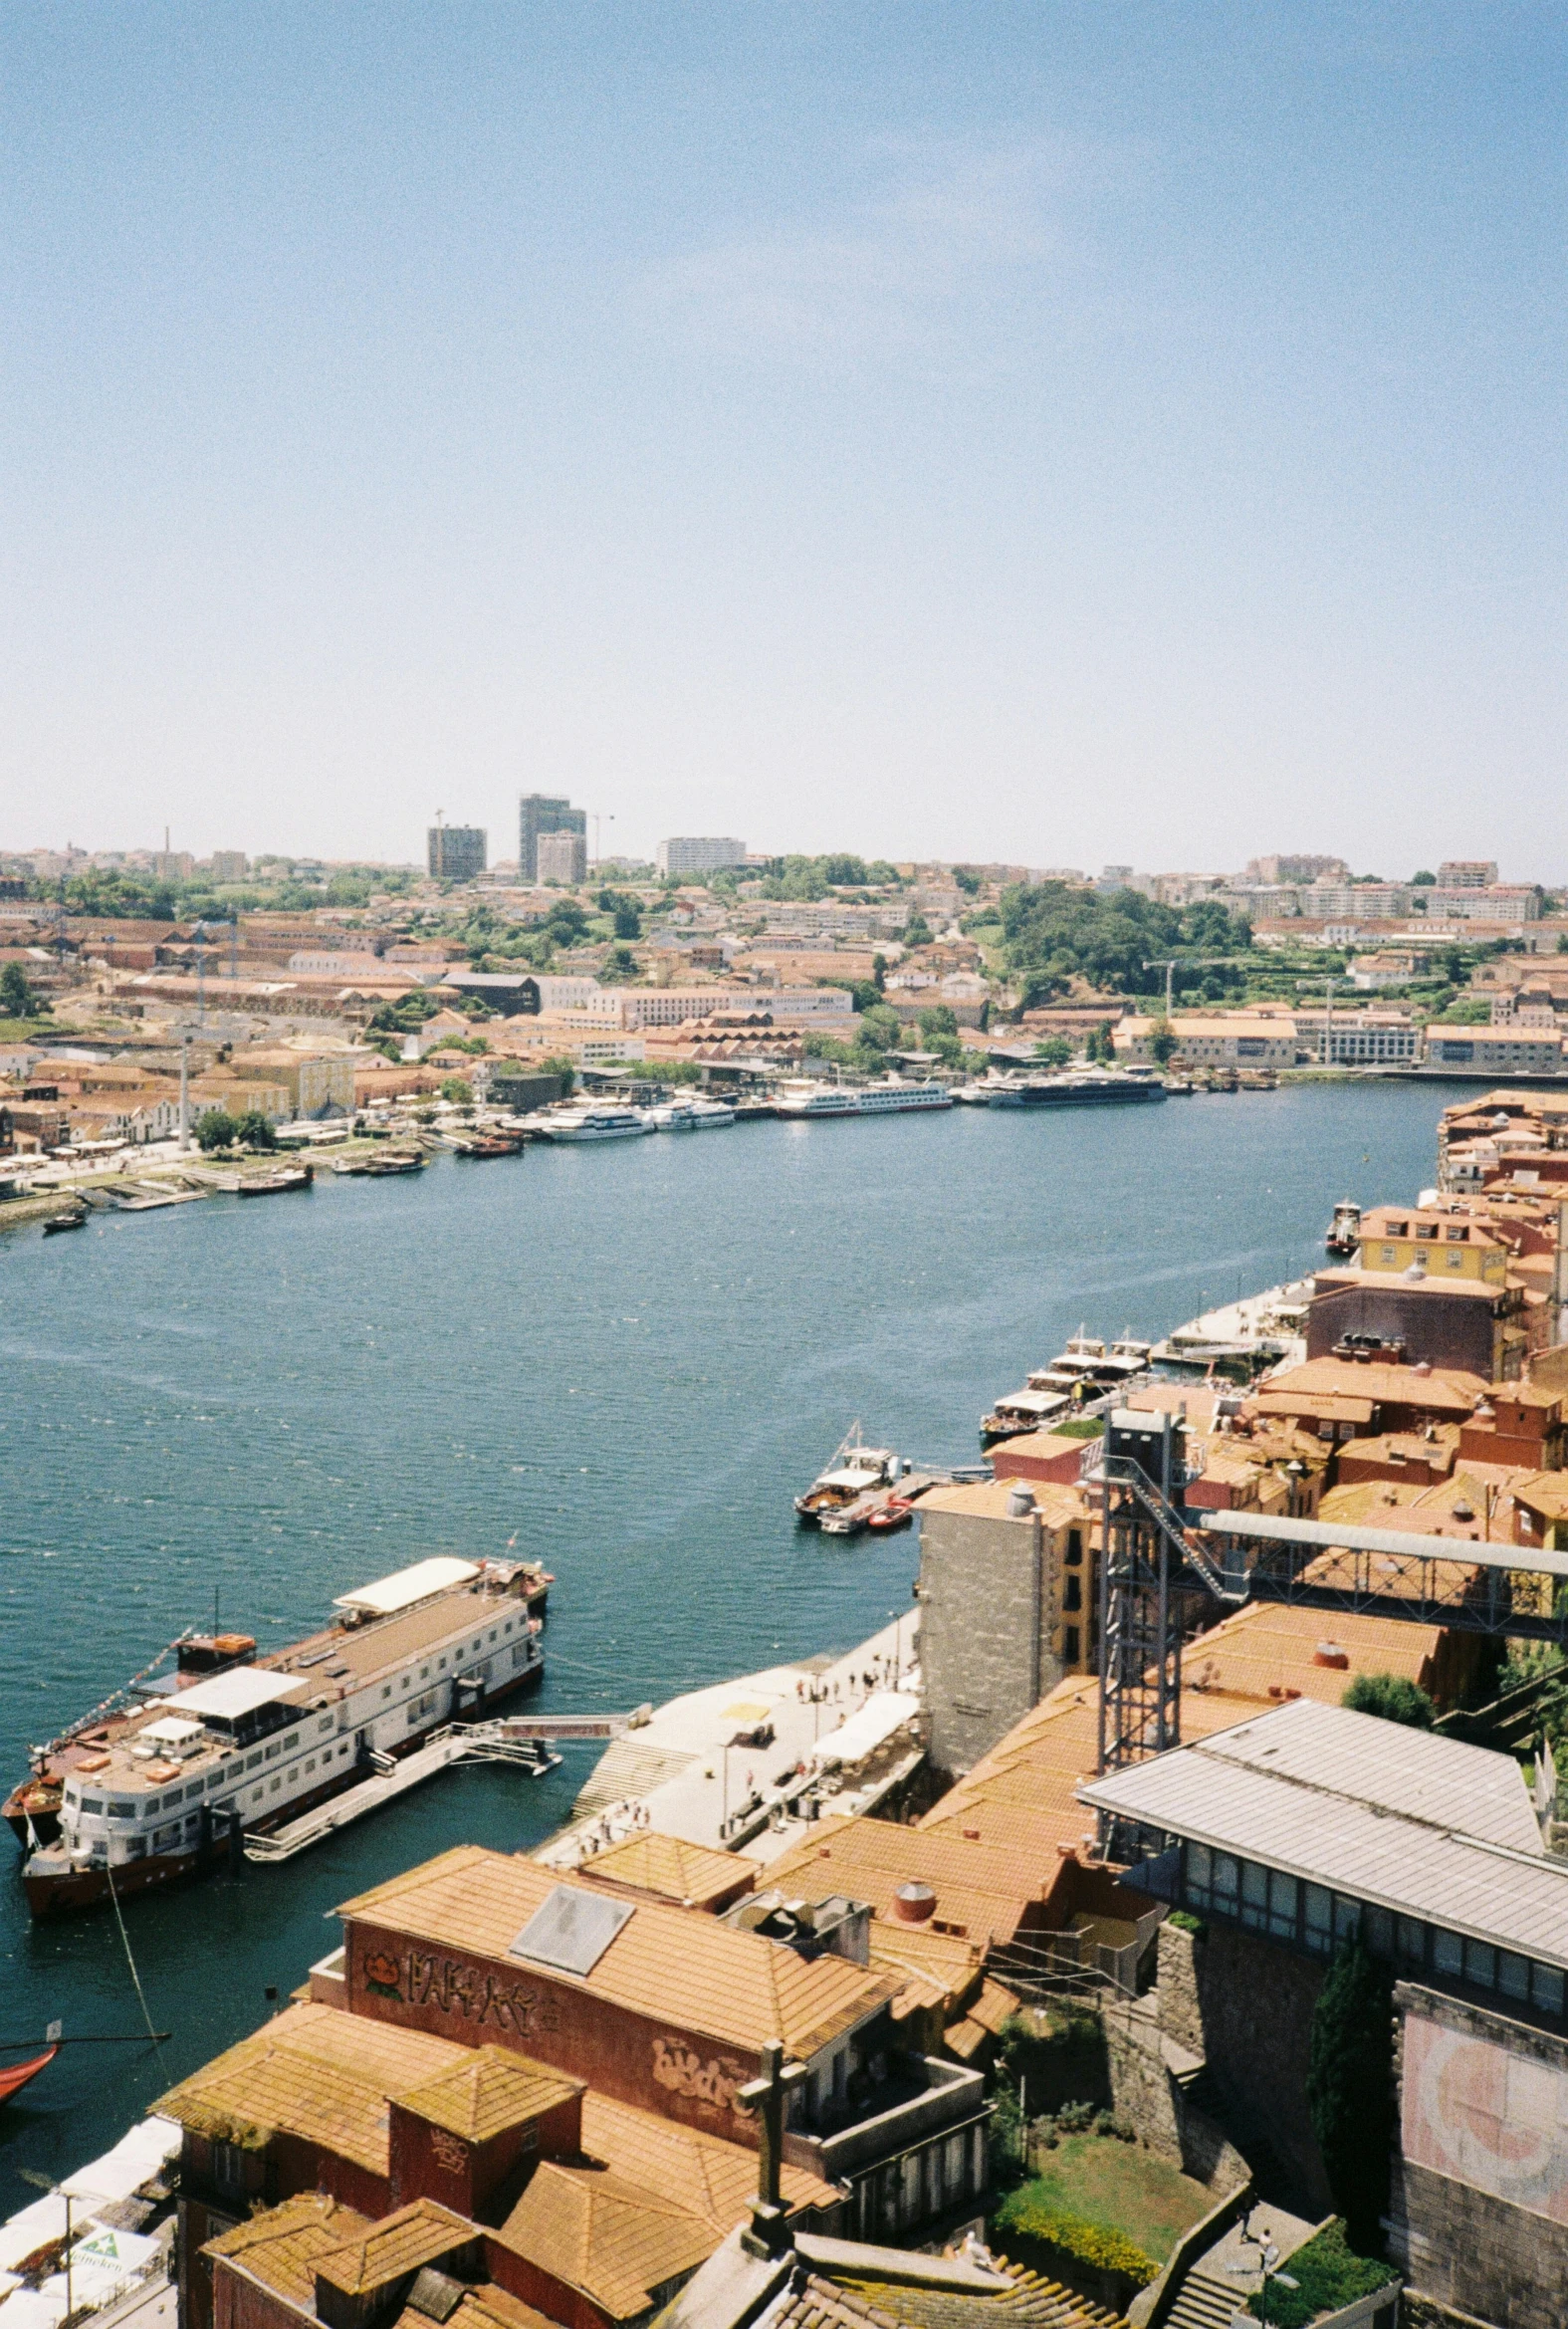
[{"x": 631, "y": 1356}]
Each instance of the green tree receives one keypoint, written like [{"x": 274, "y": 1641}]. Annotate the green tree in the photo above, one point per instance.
[
  {"x": 844, "y": 872},
  {"x": 458, "y": 1088},
  {"x": 17, "y": 997},
  {"x": 628, "y": 922},
  {"x": 1100, "y": 1049},
  {"x": 1055, "y": 1050},
  {"x": 1423, "y": 881},
  {"x": 1350, "y": 2088},
  {"x": 619, "y": 964},
  {"x": 253, "y": 1129},
  {"x": 881, "y": 1027},
  {"x": 938, "y": 1018},
  {"x": 917, "y": 930},
  {"x": 559, "y": 1064},
  {"x": 967, "y": 880},
  {"x": 1162, "y": 1043},
  {"x": 215, "y": 1128},
  {"x": 1390, "y": 1697}
]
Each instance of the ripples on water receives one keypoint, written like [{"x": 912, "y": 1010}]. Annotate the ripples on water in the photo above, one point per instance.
[{"x": 629, "y": 1355}]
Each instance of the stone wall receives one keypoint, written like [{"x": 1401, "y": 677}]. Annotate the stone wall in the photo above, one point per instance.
[
  {"x": 1476, "y": 2212},
  {"x": 984, "y": 1605},
  {"x": 1246, "y": 2006}
]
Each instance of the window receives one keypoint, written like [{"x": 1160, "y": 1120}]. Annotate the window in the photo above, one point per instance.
[
  {"x": 1513, "y": 1974},
  {"x": 325, "y": 1724},
  {"x": 165, "y": 1838},
  {"x": 228, "y": 2166},
  {"x": 1072, "y": 1597},
  {"x": 272, "y": 1752},
  {"x": 253, "y": 1763},
  {"x": 1283, "y": 1891},
  {"x": 1456, "y": 1261},
  {"x": 1546, "y": 1989},
  {"x": 291, "y": 1742},
  {"x": 1448, "y": 1954},
  {"x": 1481, "y": 1964},
  {"x": 1074, "y": 1547},
  {"x": 424, "y": 1673},
  {"x": 92, "y": 1802},
  {"x": 386, "y": 1690},
  {"x": 310, "y": 1766},
  {"x": 1457, "y": 1237},
  {"x": 273, "y": 1784},
  {"x": 1069, "y": 1645},
  {"x": 494, "y": 1631},
  {"x": 1378, "y": 1931},
  {"x": 441, "y": 1661},
  {"x": 1410, "y": 1942},
  {"x": 1254, "y": 1896},
  {"x": 1318, "y": 1918},
  {"x": 1391, "y": 1255}
]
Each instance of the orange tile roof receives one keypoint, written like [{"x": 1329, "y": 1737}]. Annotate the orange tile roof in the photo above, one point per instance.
[
  {"x": 397, "y": 2244},
  {"x": 672, "y": 1965},
  {"x": 281, "y": 2248},
  {"x": 713, "y": 2179},
  {"x": 1058, "y": 1503},
  {"x": 690, "y": 1875},
  {"x": 488, "y": 2091},
  {"x": 313, "y": 2072},
  {"x": 609, "y": 2237},
  {"x": 1440, "y": 1391},
  {"x": 981, "y": 1892},
  {"x": 484, "y": 2307}
]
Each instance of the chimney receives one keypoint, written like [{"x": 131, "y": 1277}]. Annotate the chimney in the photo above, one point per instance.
[{"x": 914, "y": 1904}]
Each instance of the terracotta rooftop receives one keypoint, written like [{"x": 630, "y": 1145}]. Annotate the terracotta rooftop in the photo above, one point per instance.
[
  {"x": 690, "y": 1875},
  {"x": 669, "y": 1964},
  {"x": 484, "y": 2307},
  {"x": 281, "y": 2248},
  {"x": 1058, "y": 1504},
  {"x": 315, "y": 2072},
  {"x": 606, "y": 2235},
  {"x": 397, "y": 2244},
  {"x": 981, "y": 1893},
  {"x": 489, "y": 2090},
  {"x": 713, "y": 2179},
  {"x": 1438, "y": 1390}
]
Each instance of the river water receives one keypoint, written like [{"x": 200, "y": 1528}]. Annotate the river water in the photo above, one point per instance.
[{"x": 629, "y": 1355}]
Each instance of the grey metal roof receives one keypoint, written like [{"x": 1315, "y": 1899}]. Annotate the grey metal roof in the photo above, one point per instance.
[{"x": 1393, "y": 1816}]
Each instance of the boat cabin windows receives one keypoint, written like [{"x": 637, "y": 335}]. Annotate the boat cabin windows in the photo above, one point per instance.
[
  {"x": 325, "y": 1724},
  {"x": 291, "y": 1742},
  {"x": 92, "y": 1802},
  {"x": 253, "y": 1763}
]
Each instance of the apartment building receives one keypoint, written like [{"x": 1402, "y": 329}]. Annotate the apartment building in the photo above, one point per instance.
[
  {"x": 544, "y": 813},
  {"x": 696, "y": 853},
  {"x": 1493, "y": 1052},
  {"x": 561, "y": 857},
  {"x": 1358, "y": 1038},
  {"x": 455, "y": 852}
]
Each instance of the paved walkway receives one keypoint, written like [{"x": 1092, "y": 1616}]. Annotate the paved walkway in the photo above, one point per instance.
[{"x": 679, "y": 1772}]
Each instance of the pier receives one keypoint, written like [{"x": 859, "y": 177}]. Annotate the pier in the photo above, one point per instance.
[{"x": 507, "y": 1740}]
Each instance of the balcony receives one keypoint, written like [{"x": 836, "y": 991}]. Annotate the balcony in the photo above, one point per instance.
[{"x": 924, "y": 2099}]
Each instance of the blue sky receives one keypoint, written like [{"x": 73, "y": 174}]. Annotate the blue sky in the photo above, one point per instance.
[{"x": 1062, "y": 434}]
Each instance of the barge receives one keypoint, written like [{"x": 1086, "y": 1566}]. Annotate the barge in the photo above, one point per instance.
[{"x": 168, "y": 1785}]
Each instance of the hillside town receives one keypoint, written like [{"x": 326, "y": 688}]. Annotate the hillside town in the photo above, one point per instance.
[
  {"x": 1169, "y": 1926},
  {"x": 143, "y": 991}
]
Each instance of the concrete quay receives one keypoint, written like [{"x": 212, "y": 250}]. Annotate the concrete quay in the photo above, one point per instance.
[{"x": 843, "y": 1738}]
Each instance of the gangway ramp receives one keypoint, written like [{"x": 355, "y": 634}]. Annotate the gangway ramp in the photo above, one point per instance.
[{"x": 509, "y": 1738}]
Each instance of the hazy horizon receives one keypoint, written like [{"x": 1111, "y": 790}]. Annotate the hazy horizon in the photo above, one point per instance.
[{"x": 1040, "y": 434}]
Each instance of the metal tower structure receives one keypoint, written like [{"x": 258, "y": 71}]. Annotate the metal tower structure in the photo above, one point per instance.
[{"x": 1150, "y": 1568}]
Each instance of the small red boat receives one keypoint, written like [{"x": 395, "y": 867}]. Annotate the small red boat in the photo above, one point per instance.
[
  {"x": 897, "y": 1512},
  {"x": 16, "y": 2075}
]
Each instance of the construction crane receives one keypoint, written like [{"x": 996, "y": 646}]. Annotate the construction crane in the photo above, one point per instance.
[{"x": 1170, "y": 964}]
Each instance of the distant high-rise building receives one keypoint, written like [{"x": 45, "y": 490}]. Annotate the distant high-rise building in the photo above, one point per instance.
[
  {"x": 230, "y": 864},
  {"x": 456, "y": 851},
  {"x": 561, "y": 857},
  {"x": 173, "y": 864},
  {"x": 1274, "y": 872},
  {"x": 542, "y": 812},
  {"x": 1468, "y": 874},
  {"x": 695, "y": 854}
]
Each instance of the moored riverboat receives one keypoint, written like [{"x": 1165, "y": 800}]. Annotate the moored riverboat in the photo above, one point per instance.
[
  {"x": 854, "y": 1470},
  {"x": 165, "y": 1784}
]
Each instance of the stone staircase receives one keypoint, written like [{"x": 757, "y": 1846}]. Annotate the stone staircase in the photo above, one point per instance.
[{"x": 1206, "y": 2301}]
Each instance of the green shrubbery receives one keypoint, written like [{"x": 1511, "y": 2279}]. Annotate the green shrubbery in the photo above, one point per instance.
[
  {"x": 1031, "y": 2233},
  {"x": 1328, "y": 2273},
  {"x": 1393, "y": 1698}
]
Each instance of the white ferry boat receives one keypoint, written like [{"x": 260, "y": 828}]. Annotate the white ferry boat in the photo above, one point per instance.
[
  {"x": 1262, "y": 1330},
  {"x": 690, "y": 1116},
  {"x": 602, "y": 1122},
  {"x": 235, "y": 1744},
  {"x": 860, "y": 1099}
]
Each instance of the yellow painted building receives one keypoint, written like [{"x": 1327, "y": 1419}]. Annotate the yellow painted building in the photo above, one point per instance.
[{"x": 1445, "y": 1244}]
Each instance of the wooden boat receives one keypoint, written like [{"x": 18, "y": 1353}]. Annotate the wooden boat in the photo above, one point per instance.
[
  {"x": 57, "y": 1223},
  {"x": 488, "y": 1145},
  {"x": 298, "y": 1176},
  {"x": 15, "y": 2075},
  {"x": 897, "y": 1512}
]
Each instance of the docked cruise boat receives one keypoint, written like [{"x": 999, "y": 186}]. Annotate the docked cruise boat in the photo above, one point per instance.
[
  {"x": 1087, "y": 1369},
  {"x": 1075, "y": 1089},
  {"x": 854, "y": 1472},
  {"x": 893, "y": 1097},
  {"x": 162, "y": 1784},
  {"x": 599, "y": 1120},
  {"x": 690, "y": 1116}
]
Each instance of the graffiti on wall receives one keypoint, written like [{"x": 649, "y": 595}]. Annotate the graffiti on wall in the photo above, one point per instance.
[
  {"x": 484, "y": 1998},
  {"x": 1486, "y": 2113},
  {"x": 675, "y": 2067}
]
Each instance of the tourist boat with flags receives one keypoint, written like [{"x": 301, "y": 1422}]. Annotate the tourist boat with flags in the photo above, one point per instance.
[{"x": 163, "y": 1781}]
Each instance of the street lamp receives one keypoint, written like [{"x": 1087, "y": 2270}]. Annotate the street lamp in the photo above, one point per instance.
[{"x": 41, "y": 2183}]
